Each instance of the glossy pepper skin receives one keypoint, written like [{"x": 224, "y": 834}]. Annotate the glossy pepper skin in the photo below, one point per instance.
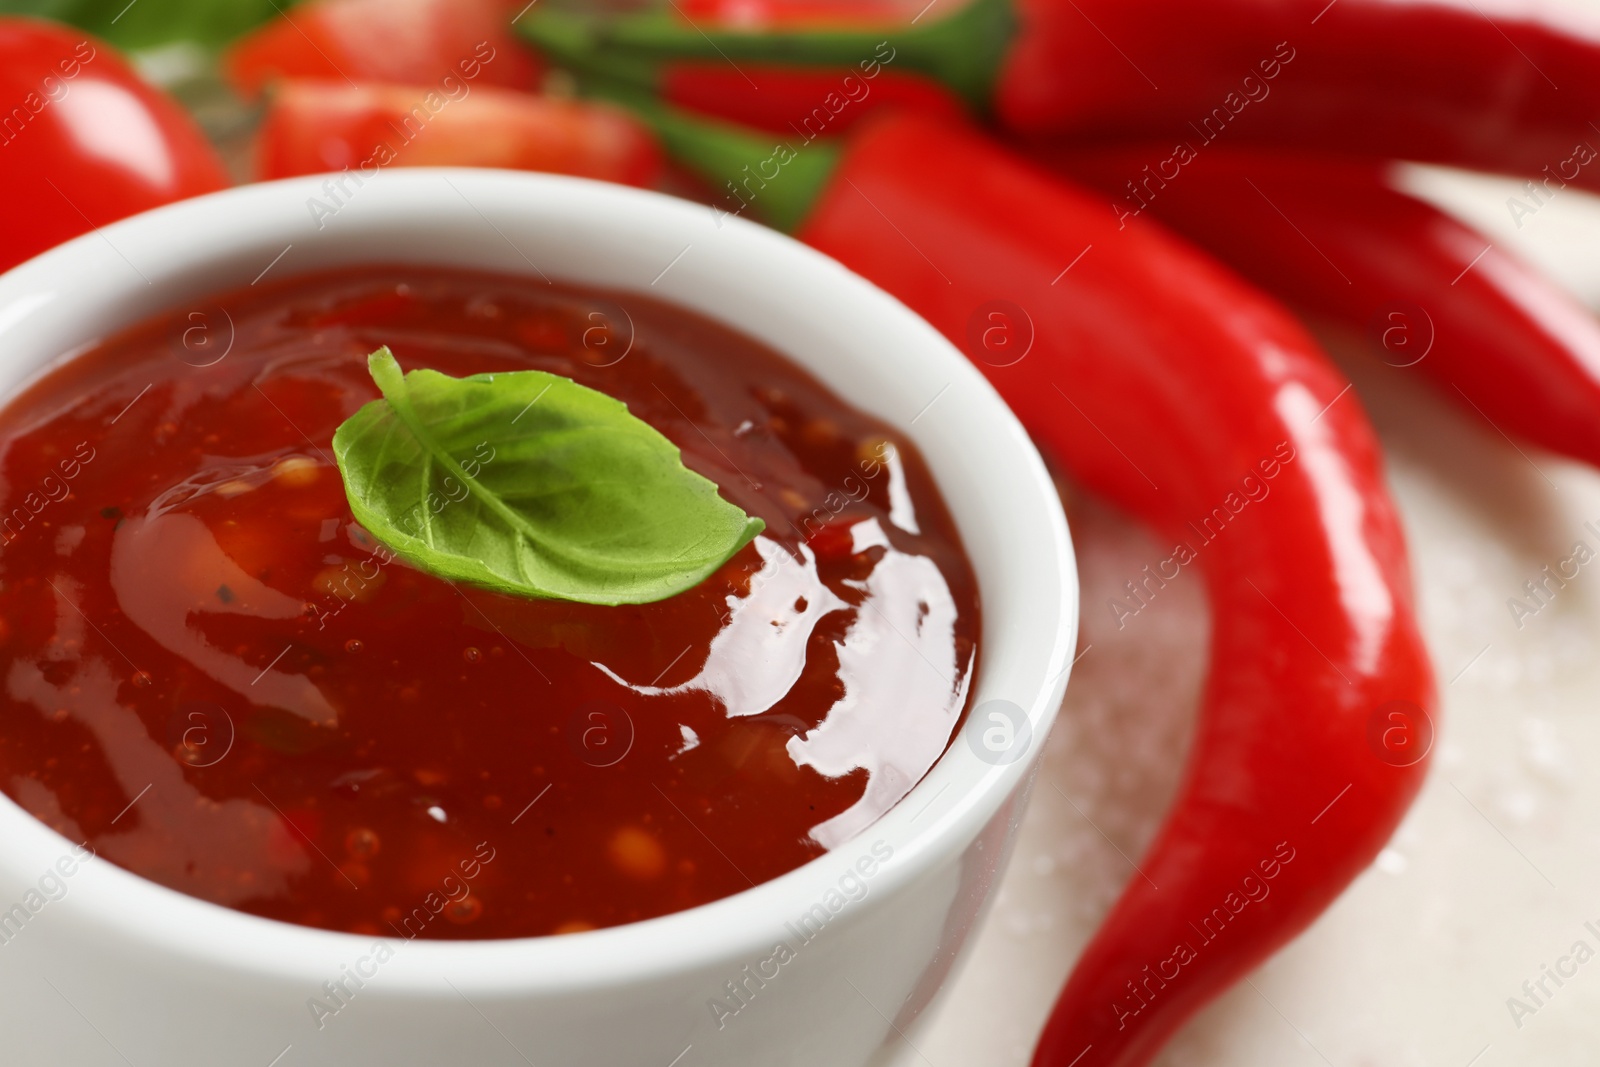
[
  {"x": 1428, "y": 293},
  {"x": 1173, "y": 388},
  {"x": 1442, "y": 82},
  {"x": 84, "y": 141},
  {"x": 810, "y": 101}
]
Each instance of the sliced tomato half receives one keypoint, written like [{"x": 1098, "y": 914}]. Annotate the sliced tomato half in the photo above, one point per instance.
[
  {"x": 314, "y": 126},
  {"x": 408, "y": 42}
]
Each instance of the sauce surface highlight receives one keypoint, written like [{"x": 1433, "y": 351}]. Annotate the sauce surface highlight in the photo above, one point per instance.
[{"x": 215, "y": 677}]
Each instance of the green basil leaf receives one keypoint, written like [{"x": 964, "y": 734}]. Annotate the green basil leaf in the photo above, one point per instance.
[{"x": 531, "y": 484}]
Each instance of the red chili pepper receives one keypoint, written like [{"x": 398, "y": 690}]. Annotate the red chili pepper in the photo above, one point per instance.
[
  {"x": 1430, "y": 293},
  {"x": 801, "y": 12},
  {"x": 792, "y": 99},
  {"x": 1444, "y": 82},
  {"x": 84, "y": 141},
  {"x": 802, "y": 100},
  {"x": 314, "y": 126},
  {"x": 409, "y": 42},
  {"x": 1185, "y": 396}
]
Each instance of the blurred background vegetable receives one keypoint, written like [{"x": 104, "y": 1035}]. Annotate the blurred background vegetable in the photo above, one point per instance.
[
  {"x": 314, "y": 126},
  {"x": 145, "y": 24},
  {"x": 414, "y": 42},
  {"x": 87, "y": 141}
]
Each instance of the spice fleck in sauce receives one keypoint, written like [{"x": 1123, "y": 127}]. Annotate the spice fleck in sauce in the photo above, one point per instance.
[{"x": 218, "y": 680}]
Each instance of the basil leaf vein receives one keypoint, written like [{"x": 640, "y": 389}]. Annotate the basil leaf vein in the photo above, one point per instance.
[{"x": 530, "y": 484}]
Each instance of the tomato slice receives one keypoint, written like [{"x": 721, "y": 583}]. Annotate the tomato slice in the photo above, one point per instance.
[
  {"x": 315, "y": 126},
  {"x": 408, "y": 42},
  {"x": 84, "y": 141}
]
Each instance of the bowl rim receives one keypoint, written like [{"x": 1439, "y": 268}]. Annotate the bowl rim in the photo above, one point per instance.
[{"x": 117, "y": 902}]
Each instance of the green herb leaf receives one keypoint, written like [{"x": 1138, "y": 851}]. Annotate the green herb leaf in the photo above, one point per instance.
[{"x": 531, "y": 484}]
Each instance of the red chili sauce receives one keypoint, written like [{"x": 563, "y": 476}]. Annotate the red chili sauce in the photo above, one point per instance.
[{"x": 208, "y": 674}]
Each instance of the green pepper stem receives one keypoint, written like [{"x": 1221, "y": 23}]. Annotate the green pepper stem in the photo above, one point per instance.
[
  {"x": 963, "y": 50},
  {"x": 776, "y": 179}
]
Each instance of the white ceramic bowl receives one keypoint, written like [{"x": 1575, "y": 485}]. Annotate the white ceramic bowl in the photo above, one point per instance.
[{"x": 119, "y": 969}]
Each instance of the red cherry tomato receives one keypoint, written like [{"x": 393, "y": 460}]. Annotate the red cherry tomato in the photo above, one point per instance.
[
  {"x": 84, "y": 141},
  {"x": 315, "y": 126},
  {"x": 409, "y": 42}
]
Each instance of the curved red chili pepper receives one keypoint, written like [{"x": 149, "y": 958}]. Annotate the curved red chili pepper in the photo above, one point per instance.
[
  {"x": 1337, "y": 239},
  {"x": 1184, "y": 395},
  {"x": 1443, "y": 81}
]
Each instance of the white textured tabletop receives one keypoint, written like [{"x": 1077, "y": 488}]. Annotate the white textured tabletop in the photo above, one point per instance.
[{"x": 1495, "y": 872}]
